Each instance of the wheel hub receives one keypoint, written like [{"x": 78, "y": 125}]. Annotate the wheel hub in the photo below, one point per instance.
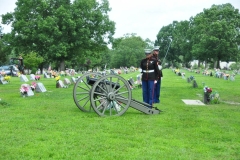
[{"x": 111, "y": 96}]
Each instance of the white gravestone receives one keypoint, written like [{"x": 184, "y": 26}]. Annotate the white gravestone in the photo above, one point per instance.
[
  {"x": 32, "y": 77},
  {"x": 60, "y": 83},
  {"x": 73, "y": 79},
  {"x": 23, "y": 78},
  {"x": 67, "y": 81},
  {"x": 46, "y": 75},
  {"x": 29, "y": 90},
  {"x": 40, "y": 87},
  {"x": 2, "y": 81}
]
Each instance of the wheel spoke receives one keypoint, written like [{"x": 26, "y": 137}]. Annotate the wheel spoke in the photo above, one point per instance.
[
  {"x": 108, "y": 97},
  {"x": 81, "y": 92}
]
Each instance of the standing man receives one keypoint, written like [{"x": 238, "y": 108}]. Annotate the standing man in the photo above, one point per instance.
[
  {"x": 160, "y": 75},
  {"x": 150, "y": 73}
]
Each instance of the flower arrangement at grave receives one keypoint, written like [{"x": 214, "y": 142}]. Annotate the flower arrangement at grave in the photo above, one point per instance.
[
  {"x": 214, "y": 97},
  {"x": 24, "y": 90},
  {"x": 57, "y": 78},
  {"x": 37, "y": 77},
  {"x": 7, "y": 78},
  {"x": 191, "y": 78},
  {"x": 119, "y": 71},
  {"x": 208, "y": 92},
  {"x": 18, "y": 74},
  {"x": 33, "y": 86}
]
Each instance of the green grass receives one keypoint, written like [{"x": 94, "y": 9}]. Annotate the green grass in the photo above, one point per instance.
[{"x": 49, "y": 125}]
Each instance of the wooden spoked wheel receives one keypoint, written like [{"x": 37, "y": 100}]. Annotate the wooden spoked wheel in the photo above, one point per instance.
[
  {"x": 110, "y": 96},
  {"x": 81, "y": 91}
]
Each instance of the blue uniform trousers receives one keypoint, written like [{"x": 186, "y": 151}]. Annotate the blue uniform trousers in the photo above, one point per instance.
[
  {"x": 157, "y": 92},
  {"x": 148, "y": 91}
]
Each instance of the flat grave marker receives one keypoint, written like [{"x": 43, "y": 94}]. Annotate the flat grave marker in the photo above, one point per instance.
[{"x": 192, "y": 102}]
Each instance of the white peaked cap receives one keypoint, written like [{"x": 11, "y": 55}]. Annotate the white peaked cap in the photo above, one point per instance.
[
  {"x": 156, "y": 48},
  {"x": 147, "y": 51}
]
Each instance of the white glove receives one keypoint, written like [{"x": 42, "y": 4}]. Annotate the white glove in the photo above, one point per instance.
[
  {"x": 155, "y": 82},
  {"x": 159, "y": 67}
]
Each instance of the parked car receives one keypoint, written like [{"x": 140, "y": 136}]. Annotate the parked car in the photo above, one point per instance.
[{"x": 9, "y": 70}]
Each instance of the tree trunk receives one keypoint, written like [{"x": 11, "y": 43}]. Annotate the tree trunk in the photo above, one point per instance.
[
  {"x": 62, "y": 66},
  {"x": 215, "y": 64},
  {"x": 218, "y": 63}
]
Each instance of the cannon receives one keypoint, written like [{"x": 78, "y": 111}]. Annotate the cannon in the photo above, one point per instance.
[{"x": 108, "y": 95}]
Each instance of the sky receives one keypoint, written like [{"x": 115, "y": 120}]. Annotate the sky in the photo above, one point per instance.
[{"x": 144, "y": 17}]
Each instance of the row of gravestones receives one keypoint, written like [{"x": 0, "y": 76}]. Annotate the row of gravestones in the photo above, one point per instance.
[
  {"x": 194, "y": 82},
  {"x": 39, "y": 88},
  {"x": 66, "y": 81},
  {"x": 23, "y": 78}
]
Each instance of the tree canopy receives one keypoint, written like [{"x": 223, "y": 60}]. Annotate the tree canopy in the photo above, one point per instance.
[
  {"x": 211, "y": 36},
  {"x": 59, "y": 30},
  {"x": 78, "y": 32}
]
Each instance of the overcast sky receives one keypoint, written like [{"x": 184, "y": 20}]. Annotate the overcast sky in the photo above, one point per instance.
[{"x": 144, "y": 17}]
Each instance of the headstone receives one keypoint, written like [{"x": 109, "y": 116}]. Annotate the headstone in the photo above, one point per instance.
[
  {"x": 32, "y": 77},
  {"x": 139, "y": 82},
  {"x": 60, "y": 84},
  {"x": 2, "y": 81},
  {"x": 67, "y": 81},
  {"x": 188, "y": 80},
  {"x": 23, "y": 78},
  {"x": 232, "y": 78},
  {"x": 195, "y": 84},
  {"x": 206, "y": 98},
  {"x": 40, "y": 87},
  {"x": 29, "y": 90},
  {"x": 139, "y": 77},
  {"x": 46, "y": 75},
  {"x": 131, "y": 80},
  {"x": 73, "y": 79}
]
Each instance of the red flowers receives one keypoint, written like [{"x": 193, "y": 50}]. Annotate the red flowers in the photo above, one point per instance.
[{"x": 207, "y": 89}]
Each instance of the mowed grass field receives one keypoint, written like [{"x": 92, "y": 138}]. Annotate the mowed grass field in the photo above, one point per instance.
[{"x": 50, "y": 126}]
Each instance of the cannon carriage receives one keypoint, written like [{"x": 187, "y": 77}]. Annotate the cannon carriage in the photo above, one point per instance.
[{"x": 108, "y": 95}]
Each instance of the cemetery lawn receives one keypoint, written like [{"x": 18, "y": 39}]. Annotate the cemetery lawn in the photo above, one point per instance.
[{"x": 49, "y": 125}]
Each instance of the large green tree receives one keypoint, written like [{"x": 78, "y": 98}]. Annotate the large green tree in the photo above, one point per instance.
[
  {"x": 216, "y": 34},
  {"x": 4, "y": 50},
  {"x": 128, "y": 52},
  {"x": 59, "y": 30}
]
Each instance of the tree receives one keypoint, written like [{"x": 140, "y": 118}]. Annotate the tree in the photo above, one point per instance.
[
  {"x": 164, "y": 38},
  {"x": 4, "y": 50},
  {"x": 59, "y": 30},
  {"x": 32, "y": 60},
  {"x": 129, "y": 51},
  {"x": 216, "y": 34}
]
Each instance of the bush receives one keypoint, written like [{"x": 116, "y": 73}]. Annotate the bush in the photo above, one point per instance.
[{"x": 34, "y": 70}]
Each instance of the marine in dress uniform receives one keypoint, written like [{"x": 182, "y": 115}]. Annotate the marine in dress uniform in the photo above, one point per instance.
[
  {"x": 150, "y": 73},
  {"x": 160, "y": 75}
]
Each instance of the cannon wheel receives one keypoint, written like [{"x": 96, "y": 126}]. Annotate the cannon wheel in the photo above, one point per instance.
[
  {"x": 110, "y": 96},
  {"x": 81, "y": 92}
]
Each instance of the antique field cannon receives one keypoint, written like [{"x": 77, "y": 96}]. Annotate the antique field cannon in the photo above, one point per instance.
[{"x": 108, "y": 95}]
